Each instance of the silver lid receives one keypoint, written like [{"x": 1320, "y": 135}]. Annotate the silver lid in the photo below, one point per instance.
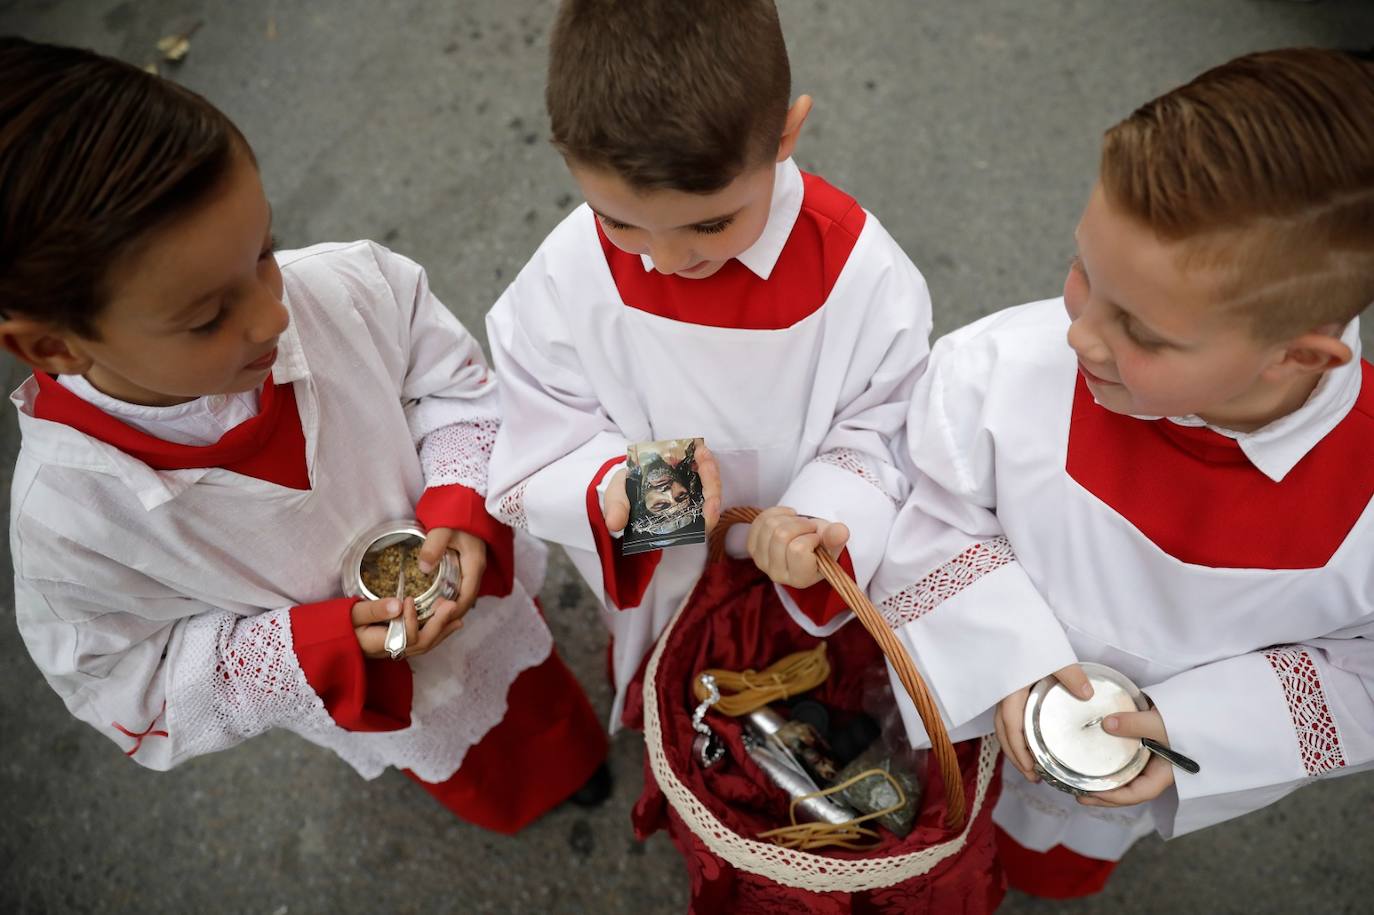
[
  {"x": 381, "y": 536},
  {"x": 1071, "y": 750}
]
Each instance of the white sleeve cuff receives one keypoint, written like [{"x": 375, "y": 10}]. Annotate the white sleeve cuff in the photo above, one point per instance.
[{"x": 981, "y": 643}]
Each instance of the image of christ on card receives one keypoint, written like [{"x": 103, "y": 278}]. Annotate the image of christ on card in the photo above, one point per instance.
[{"x": 664, "y": 490}]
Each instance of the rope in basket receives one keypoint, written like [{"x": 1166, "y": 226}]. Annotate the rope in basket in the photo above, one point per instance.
[
  {"x": 806, "y": 836},
  {"x": 744, "y": 691},
  {"x": 941, "y": 746}
]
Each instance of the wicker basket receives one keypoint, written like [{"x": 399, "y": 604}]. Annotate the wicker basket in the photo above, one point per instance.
[{"x": 810, "y": 871}]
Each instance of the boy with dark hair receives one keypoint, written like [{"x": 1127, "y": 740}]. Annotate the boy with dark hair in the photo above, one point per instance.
[
  {"x": 211, "y": 423},
  {"x": 706, "y": 288},
  {"x": 1183, "y": 489}
]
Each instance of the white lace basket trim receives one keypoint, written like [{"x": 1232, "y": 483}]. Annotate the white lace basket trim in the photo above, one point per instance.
[
  {"x": 786, "y": 866},
  {"x": 915, "y": 601},
  {"x": 1318, "y": 739},
  {"x": 459, "y": 453},
  {"x": 857, "y": 463}
]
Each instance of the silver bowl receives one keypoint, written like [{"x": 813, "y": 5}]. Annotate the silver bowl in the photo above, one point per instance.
[
  {"x": 1071, "y": 752},
  {"x": 446, "y": 578}
]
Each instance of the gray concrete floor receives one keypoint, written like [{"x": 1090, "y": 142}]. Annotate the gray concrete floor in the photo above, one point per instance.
[{"x": 971, "y": 129}]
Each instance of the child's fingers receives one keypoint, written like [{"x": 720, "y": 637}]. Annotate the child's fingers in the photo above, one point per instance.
[
  {"x": 1146, "y": 786},
  {"x": 709, "y": 471},
  {"x": 801, "y": 558},
  {"x": 710, "y": 512},
  {"x": 366, "y": 612},
  {"x": 834, "y": 535},
  {"x": 432, "y": 550},
  {"x": 432, "y": 631},
  {"x": 773, "y": 539},
  {"x": 450, "y": 628},
  {"x": 372, "y": 640},
  {"x": 1000, "y": 731},
  {"x": 1075, "y": 680},
  {"x": 467, "y": 586},
  {"x": 616, "y": 505},
  {"x": 1137, "y": 724},
  {"x": 790, "y": 549},
  {"x": 472, "y": 564},
  {"x": 760, "y": 529},
  {"x": 1011, "y": 714}
]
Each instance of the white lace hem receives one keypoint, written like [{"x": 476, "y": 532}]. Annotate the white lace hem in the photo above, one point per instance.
[{"x": 461, "y": 691}]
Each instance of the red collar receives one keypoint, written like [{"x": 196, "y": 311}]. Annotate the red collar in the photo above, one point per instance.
[
  {"x": 1195, "y": 495},
  {"x": 811, "y": 261},
  {"x": 270, "y": 446}
]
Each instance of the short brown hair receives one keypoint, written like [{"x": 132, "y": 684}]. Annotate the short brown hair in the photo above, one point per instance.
[
  {"x": 94, "y": 154},
  {"x": 1265, "y": 167},
  {"x": 681, "y": 94}
]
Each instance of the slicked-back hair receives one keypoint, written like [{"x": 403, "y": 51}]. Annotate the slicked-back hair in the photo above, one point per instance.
[
  {"x": 679, "y": 94},
  {"x": 1264, "y": 168},
  {"x": 94, "y": 154}
]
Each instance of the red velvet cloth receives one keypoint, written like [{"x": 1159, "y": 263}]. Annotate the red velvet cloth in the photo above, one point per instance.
[
  {"x": 734, "y": 296},
  {"x": 462, "y": 509},
  {"x": 1196, "y": 496},
  {"x": 624, "y": 578},
  {"x": 360, "y": 693},
  {"x": 270, "y": 446},
  {"x": 1054, "y": 874},
  {"x": 820, "y": 602},
  {"x": 734, "y": 621},
  {"x": 547, "y": 746}
]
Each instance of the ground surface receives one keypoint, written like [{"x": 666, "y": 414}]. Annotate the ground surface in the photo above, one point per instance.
[{"x": 970, "y": 129}]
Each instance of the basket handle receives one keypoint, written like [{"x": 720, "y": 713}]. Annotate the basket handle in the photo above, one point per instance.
[{"x": 863, "y": 608}]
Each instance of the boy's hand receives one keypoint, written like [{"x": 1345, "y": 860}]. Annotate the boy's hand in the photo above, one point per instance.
[
  {"x": 472, "y": 561},
  {"x": 783, "y": 544},
  {"x": 615, "y": 504},
  {"x": 1158, "y": 774},
  {"x": 1010, "y": 720},
  {"x": 371, "y": 618}
]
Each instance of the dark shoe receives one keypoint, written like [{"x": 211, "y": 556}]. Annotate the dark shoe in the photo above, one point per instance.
[{"x": 596, "y": 789}]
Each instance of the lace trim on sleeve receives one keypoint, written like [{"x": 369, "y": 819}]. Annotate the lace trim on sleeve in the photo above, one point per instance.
[
  {"x": 859, "y": 464},
  {"x": 459, "y": 453},
  {"x": 512, "y": 508},
  {"x": 239, "y": 678},
  {"x": 1318, "y": 739},
  {"x": 915, "y": 601}
]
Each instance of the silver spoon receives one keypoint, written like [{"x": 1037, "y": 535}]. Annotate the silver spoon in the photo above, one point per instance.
[
  {"x": 395, "y": 642},
  {"x": 1173, "y": 756}
]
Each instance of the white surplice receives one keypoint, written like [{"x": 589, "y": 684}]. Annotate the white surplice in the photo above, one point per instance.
[
  {"x": 797, "y": 415},
  {"x": 156, "y": 602},
  {"x": 1009, "y": 560}
]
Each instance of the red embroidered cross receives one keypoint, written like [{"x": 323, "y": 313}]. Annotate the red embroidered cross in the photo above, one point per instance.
[{"x": 146, "y": 732}]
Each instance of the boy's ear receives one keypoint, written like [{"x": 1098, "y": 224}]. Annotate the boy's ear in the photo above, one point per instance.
[
  {"x": 791, "y": 127},
  {"x": 42, "y": 346},
  {"x": 1313, "y": 353}
]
